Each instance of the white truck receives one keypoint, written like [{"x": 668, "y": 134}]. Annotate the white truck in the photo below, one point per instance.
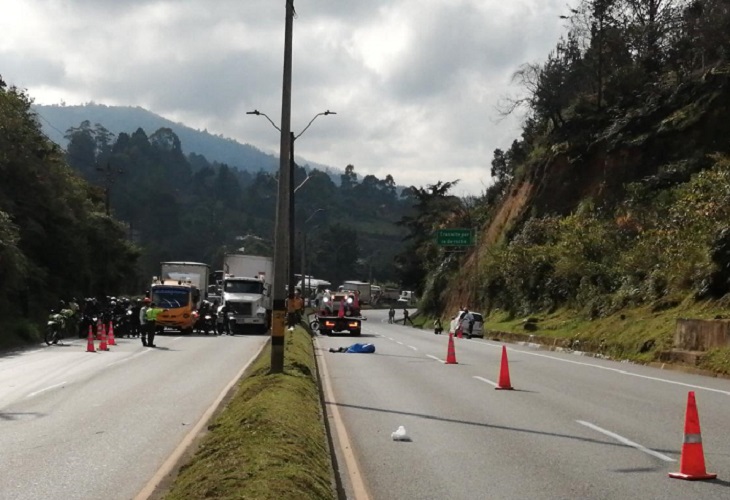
[
  {"x": 194, "y": 273},
  {"x": 363, "y": 287},
  {"x": 246, "y": 293}
]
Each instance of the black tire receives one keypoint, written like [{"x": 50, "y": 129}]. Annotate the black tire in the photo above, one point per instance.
[
  {"x": 355, "y": 333},
  {"x": 51, "y": 336},
  {"x": 314, "y": 325}
]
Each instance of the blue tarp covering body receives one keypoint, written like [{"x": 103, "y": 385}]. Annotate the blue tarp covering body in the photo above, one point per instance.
[{"x": 361, "y": 348}]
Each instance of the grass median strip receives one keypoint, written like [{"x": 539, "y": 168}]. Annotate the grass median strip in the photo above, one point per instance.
[{"x": 269, "y": 442}]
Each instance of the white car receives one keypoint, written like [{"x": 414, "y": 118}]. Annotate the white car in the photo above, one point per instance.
[{"x": 475, "y": 328}]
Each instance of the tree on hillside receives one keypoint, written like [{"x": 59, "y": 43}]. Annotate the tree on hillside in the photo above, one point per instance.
[{"x": 433, "y": 208}]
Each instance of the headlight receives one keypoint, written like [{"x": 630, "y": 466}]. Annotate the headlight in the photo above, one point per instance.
[
  {"x": 349, "y": 300},
  {"x": 325, "y": 299}
]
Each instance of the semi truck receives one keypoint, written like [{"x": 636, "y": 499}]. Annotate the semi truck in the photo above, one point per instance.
[
  {"x": 339, "y": 312},
  {"x": 246, "y": 293},
  {"x": 178, "y": 291},
  {"x": 362, "y": 287}
]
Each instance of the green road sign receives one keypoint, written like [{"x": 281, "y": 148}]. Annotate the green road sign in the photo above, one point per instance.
[{"x": 458, "y": 237}]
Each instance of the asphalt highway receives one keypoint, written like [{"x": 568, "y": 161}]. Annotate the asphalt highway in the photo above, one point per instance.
[
  {"x": 81, "y": 425},
  {"x": 573, "y": 427}
]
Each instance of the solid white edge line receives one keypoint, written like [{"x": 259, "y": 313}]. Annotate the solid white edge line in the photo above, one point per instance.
[
  {"x": 625, "y": 441},
  {"x": 434, "y": 357},
  {"x": 608, "y": 368},
  {"x": 414, "y": 348},
  {"x": 351, "y": 465},
  {"x": 45, "y": 389},
  {"x": 169, "y": 465},
  {"x": 486, "y": 380}
]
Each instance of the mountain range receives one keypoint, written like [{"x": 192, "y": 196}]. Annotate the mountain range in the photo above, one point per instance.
[{"x": 55, "y": 120}]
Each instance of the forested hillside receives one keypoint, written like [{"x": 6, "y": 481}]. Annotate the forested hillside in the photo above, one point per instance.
[
  {"x": 617, "y": 194},
  {"x": 180, "y": 207},
  {"x": 56, "y": 241}
]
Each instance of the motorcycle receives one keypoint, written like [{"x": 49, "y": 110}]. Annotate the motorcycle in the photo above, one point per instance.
[
  {"x": 207, "y": 323},
  {"x": 55, "y": 327},
  {"x": 88, "y": 320}
]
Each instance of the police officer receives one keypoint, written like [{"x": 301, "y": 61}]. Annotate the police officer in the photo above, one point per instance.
[
  {"x": 151, "y": 316},
  {"x": 143, "y": 320}
]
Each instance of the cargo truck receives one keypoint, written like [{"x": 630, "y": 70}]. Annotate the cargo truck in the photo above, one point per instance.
[
  {"x": 178, "y": 291},
  {"x": 246, "y": 293}
]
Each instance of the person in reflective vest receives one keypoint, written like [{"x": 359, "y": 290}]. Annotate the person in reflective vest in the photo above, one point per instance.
[{"x": 151, "y": 324}]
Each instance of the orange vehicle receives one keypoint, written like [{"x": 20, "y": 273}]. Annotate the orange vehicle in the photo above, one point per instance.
[{"x": 179, "y": 300}]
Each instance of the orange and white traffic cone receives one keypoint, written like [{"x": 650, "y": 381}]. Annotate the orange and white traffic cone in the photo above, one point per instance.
[
  {"x": 504, "y": 383},
  {"x": 112, "y": 341},
  {"x": 692, "y": 463},
  {"x": 90, "y": 341},
  {"x": 103, "y": 346},
  {"x": 98, "y": 330},
  {"x": 451, "y": 352}
]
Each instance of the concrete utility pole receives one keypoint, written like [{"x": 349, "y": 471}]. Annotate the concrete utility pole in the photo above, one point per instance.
[{"x": 281, "y": 240}]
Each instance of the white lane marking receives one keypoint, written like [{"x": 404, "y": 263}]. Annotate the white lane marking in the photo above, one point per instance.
[
  {"x": 45, "y": 389},
  {"x": 434, "y": 357},
  {"x": 625, "y": 441},
  {"x": 399, "y": 343},
  {"x": 617, "y": 370},
  {"x": 129, "y": 358},
  {"x": 357, "y": 481},
  {"x": 411, "y": 347},
  {"x": 486, "y": 380}
]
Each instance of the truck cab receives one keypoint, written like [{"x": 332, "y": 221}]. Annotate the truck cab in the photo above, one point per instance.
[{"x": 246, "y": 303}]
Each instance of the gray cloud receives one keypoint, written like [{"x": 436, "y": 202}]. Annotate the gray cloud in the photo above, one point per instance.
[{"x": 414, "y": 83}]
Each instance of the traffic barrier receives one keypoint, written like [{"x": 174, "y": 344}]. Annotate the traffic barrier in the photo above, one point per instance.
[
  {"x": 90, "y": 341},
  {"x": 504, "y": 382},
  {"x": 692, "y": 462},
  {"x": 451, "y": 352},
  {"x": 103, "y": 346},
  {"x": 111, "y": 339}
]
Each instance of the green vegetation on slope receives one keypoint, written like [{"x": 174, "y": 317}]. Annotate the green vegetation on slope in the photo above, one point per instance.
[{"x": 269, "y": 442}]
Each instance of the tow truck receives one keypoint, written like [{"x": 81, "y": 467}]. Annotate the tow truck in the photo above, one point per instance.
[{"x": 339, "y": 312}]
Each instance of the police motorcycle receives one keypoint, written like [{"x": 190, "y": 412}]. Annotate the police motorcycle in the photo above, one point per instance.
[
  {"x": 58, "y": 325},
  {"x": 206, "y": 321}
]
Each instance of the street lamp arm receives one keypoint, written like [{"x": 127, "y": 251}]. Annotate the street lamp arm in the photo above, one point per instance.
[
  {"x": 325, "y": 113},
  {"x": 302, "y": 183},
  {"x": 314, "y": 213},
  {"x": 259, "y": 113}
]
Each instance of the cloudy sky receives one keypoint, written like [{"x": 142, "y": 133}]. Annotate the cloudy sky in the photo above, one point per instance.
[{"x": 414, "y": 83}]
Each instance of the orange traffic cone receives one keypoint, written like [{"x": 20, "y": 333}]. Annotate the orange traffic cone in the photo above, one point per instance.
[
  {"x": 504, "y": 383},
  {"x": 692, "y": 463},
  {"x": 98, "y": 330},
  {"x": 90, "y": 341},
  {"x": 459, "y": 333},
  {"x": 112, "y": 341},
  {"x": 451, "y": 352},
  {"x": 103, "y": 346}
]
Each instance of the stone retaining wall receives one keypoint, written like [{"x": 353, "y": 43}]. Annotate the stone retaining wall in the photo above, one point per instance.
[{"x": 701, "y": 334}]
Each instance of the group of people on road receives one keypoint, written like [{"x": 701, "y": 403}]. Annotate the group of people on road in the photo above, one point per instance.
[{"x": 406, "y": 316}]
